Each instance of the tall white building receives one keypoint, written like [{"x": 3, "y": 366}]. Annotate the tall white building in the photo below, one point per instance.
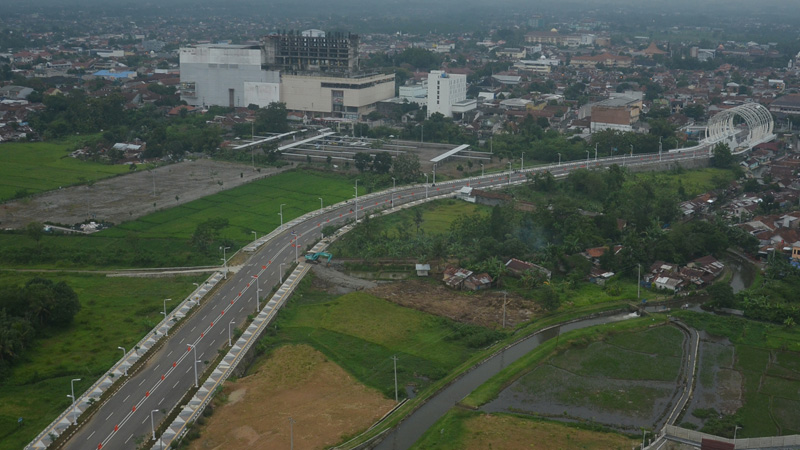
[
  {"x": 447, "y": 94},
  {"x": 226, "y": 75}
]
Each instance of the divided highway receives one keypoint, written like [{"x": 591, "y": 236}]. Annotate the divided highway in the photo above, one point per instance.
[{"x": 127, "y": 419}]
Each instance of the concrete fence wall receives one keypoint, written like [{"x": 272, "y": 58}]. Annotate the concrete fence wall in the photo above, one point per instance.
[{"x": 791, "y": 441}]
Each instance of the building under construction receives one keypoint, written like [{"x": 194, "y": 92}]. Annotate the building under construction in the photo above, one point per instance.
[
  {"x": 311, "y": 50},
  {"x": 310, "y": 71}
]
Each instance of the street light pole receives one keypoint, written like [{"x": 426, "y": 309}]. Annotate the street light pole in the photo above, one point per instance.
[
  {"x": 509, "y": 172},
  {"x": 504, "y": 309},
  {"x": 644, "y": 433},
  {"x": 587, "y": 158},
  {"x": 281, "y": 214},
  {"x": 320, "y": 204},
  {"x": 166, "y": 333},
  {"x": 482, "y": 170},
  {"x": 356, "y": 200},
  {"x": 291, "y": 433},
  {"x": 258, "y": 294},
  {"x": 255, "y": 236},
  {"x": 559, "y": 159},
  {"x": 522, "y": 162},
  {"x": 394, "y": 186},
  {"x": 229, "y": 332},
  {"x": 72, "y": 389},
  {"x": 194, "y": 349},
  {"x": 123, "y": 356},
  {"x": 434, "y": 174},
  {"x": 153, "y": 423},
  {"x": 595, "y": 152},
  {"x": 734, "y": 434},
  {"x": 280, "y": 268},
  {"x": 394, "y": 358},
  {"x": 225, "y": 260},
  {"x": 426, "y": 185}
]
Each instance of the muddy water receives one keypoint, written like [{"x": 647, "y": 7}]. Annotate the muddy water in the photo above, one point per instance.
[
  {"x": 743, "y": 274},
  {"x": 411, "y": 429}
]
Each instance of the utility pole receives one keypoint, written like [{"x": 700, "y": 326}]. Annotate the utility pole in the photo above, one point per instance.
[
  {"x": 595, "y": 152},
  {"x": 291, "y": 433},
  {"x": 639, "y": 282},
  {"x": 504, "y": 309},
  {"x": 394, "y": 358}
]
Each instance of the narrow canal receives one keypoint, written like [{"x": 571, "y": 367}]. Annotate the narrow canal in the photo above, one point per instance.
[{"x": 414, "y": 426}]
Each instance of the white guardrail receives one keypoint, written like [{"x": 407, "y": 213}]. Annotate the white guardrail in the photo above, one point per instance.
[
  {"x": 91, "y": 395},
  {"x": 234, "y": 355}
]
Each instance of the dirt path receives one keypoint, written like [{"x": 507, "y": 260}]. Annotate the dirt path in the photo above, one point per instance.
[
  {"x": 296, "y": 381},
  {"x": 130, "y": 196},
  {"x": 336, "y": 282},
  {"x": 479, "y": 308}
]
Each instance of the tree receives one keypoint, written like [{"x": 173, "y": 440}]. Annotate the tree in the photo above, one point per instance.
[
  {"x": 50, "y": 303},
  {"x": 35, "y": 231},
  {"x": 362, "y": 161},
  {"x": 721, "y": 294},
  {"x": 207, "y": 232},
  {"x": 723, "y": 158},
  {"x": 272, "y": 118},
  {"x": 549, "y": 299},
  {"x": 382, "y": 163},
  {"x": 406, "y": 167}
]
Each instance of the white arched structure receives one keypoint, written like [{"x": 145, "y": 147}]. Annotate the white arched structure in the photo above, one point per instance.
[{"x": 759, "y": 127}]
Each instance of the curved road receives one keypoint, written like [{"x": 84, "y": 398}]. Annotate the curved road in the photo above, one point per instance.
[{"x": 125, "y": 419}]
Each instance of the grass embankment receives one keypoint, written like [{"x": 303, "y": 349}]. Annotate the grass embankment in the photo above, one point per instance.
[
  {"x": 362, "y": 333},
  {"x": 768, "y": 357},
  {"x": 467, "y": 430},
  {"x": 694, "y": 182},
  {"x": 163, "y": 239},
  {"x": 32, "y": 167},
  {"x": 114, "y": 312},
  {"x": 437, "y": 216}
]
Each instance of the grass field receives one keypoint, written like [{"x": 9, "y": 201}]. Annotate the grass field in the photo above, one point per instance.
[
  {"x": 42, "y": 166},
  {"x": 694, "y": 182},
  {"x": 248, "y": 208},
  {"x": 768, "y": 358},
  {"x": 436, "y": 216},
  {"x": 361, "y": 333},
  {"x": 162, "y": 239},
  {"x": 468, "y": 430},
  {"x": 114, "y": 312}
]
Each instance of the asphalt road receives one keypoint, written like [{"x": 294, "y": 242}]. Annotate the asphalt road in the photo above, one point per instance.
[{"x": 124, "y": 420}]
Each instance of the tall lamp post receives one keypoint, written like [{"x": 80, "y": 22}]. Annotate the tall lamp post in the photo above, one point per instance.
[
  {"x": 394, "y": 186},
  {"x": 587, "y": 158},
  {"x": 320, "y": 204},
  {"x": 153, "y": 423},
  {"x": 482, "y": 171},
  {"x": 229, "y": 332},
  {"x": 559, "y": 159},
  {"x": 225, "y": 260},
  {"x": 255, "y": 236},
  {"x": 72, "y": 389},
  {"x": 123, "y": 356},
  {"x": 291, "y": 433},
  {"x": 280, "y": 268},
  {"x": 281, "y": 214},
  {"x": 194, "y": 349},
  {"x": 426, "y": 185},
  {"x": 356, "y": 200},
  {"x": 166, "y": 333},
  {"x": 258, "y": 294},
  {"x": 734, "y": 433},
  {"x": 644, "y": 433}
]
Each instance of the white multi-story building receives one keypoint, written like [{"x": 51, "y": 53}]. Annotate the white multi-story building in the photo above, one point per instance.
[
  {"x": 415, "y": 93},
  {"x": 226, "y": 75},
  {"x": 447, "y": 94}
]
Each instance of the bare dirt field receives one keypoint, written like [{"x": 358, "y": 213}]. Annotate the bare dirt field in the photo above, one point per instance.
[
  {"x": 130, "y": 196},
  {"x": 508, "y": 432},
  {"x": 335, "y": 282},
  {"x": 479, "y": 308},
  {"x": 296, "y": 381}
]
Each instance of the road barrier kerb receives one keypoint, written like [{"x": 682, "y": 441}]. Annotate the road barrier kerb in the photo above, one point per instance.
[
  {"x": 237, "y": 351},
  {"x": 185, "y": 306},
  {"x": 116, "y": 372}
]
